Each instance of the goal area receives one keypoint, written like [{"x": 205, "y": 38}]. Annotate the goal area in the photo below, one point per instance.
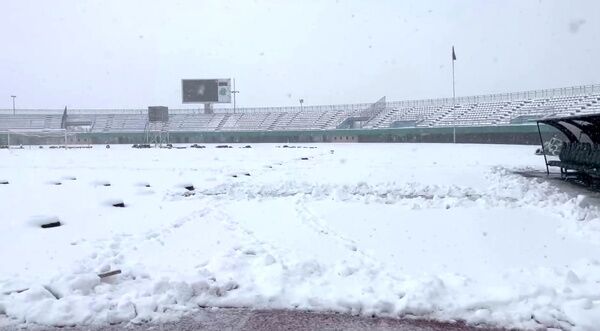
[{"x": 34, "y": 137}]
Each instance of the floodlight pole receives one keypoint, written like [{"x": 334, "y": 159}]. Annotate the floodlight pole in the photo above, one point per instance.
[
  {"x": 301, "y": 102},
  {"x": 234, "y": 92},
  {"x": 13, "y": 99}
]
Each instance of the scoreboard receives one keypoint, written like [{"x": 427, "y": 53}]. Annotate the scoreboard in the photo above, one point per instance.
[
  {"x": 158, "y": 114},
  {"x": 206, "y": 90}
]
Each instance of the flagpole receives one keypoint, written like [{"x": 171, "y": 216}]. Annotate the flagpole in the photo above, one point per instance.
[{"x": 453, "y": 101}]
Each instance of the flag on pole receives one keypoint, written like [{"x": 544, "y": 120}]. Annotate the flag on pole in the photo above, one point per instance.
[{"x": 453, "y": 54}]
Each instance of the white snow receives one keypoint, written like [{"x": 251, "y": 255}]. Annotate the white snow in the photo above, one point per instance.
[{"x": 427, "y": 230}]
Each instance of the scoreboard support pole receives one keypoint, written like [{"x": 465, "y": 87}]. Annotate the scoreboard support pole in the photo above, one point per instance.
[
  {"x": 208, "y": 108},
  {"x": 234, "y": 92}
]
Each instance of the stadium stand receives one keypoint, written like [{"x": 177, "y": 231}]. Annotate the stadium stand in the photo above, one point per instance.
[
  {"x": 187, "y": 122},
  {"x": 29, "y": 122},
  {"x": 487, "y": 110}
]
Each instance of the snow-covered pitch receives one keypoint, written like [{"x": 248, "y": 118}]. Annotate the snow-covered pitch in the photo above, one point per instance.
[{"x": 428, "y": 230}]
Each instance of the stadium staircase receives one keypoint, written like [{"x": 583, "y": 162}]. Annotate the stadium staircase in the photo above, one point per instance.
[
  {"x": 222, "y": 122},
  {"x": 271, "y": 120}
]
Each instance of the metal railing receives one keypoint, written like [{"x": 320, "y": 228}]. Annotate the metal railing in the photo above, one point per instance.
[
  {"x": 348, "y": 108},
  {"x": 501, "y": 97}
]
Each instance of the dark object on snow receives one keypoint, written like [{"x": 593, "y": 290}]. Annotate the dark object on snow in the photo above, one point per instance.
[
  {"x": 107, "y": 146},
  {"x": 79, "y": 147},
  {"x": 247, "y": 174},
  {"x": 106, "y": 184},
  {"x": 41, "y": 147},
  {"x": 3, "y": 182},
  {"x": 285, "y": 146},
  {"x": 197, "y": 146},
  {"x": 109, "y": 273},
  {"x": 223, "y": 146},
  {"x": 51, "y": 225},
  {"x": 234, "y": 176},
  {"x": 189, "y": 187},
  {"x": 119, "y": 204},
  {"x": 247, "y": 146},
  {"x": 57, "y": 183},
  {"x": 147, "y": 185},
  {"x": 304, "y": 159}
]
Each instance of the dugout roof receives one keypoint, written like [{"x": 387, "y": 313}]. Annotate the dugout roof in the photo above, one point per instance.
[{"x": 579, "y": 128}]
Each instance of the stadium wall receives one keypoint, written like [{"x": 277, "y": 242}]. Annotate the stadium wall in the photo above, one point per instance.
[{"x": 511, "y": 134}]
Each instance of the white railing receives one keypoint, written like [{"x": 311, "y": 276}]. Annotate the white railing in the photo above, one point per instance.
[
  {"x": 349, "y": 108},
  {"x": 501, "y": 97}
]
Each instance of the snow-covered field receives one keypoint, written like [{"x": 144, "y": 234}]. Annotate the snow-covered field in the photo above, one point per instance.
[{"x": 427, "y": 230}]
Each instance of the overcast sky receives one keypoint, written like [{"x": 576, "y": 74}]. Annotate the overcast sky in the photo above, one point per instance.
[{"x": 131, "y": 54}]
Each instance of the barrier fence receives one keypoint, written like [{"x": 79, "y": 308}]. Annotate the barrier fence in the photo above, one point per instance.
[{"x": 349, "y": 108}]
